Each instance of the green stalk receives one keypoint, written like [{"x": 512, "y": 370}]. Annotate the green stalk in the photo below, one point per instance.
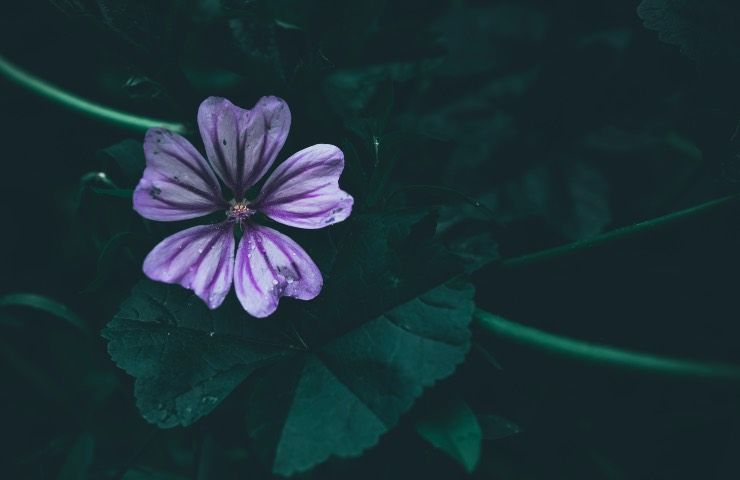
[
  {"x": 45, "y": 89},
  {"x": 601, "y": 354},
  {"x": 618, "y": 234}
]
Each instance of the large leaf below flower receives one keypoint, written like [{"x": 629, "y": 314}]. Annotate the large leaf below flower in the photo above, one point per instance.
[
  {"x": 339, "y": 399},
  {"x": 389, "y": 322},
  {"x": 392, "y": 319},
  {"x": 185, "y": 357}
]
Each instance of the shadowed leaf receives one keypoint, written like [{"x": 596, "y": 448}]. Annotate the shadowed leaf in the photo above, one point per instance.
[{"x": 453, "y": 428}]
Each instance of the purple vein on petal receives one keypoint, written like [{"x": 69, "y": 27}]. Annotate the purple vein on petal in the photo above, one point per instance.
[
  {"x": 221, "y": 155},
  {"x": 263, "y": 253},
  {"x": 198, "y": 258},
  {"x": 289, "y": 172},
  {"x": 177, "y": 255},
  {"x": 291, "y": 198},
  {"x": 202, "y": 255},
  {"x": 250, "y": 272},
  {"x": 183, "y": 205},
  {"x": 200, "y": 171},
  {"x": 284, "y": 251},
  {"x": 310, "y": 214},
  {"x": 270, "y": 265}
]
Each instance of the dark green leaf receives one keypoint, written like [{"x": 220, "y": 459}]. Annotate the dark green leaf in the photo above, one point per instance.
[
  {"x": 485, "y": 37},
  {"x": 106, "y": 260},
  {"x": 185, "y": 357},
  {"x": 79, "y": 459},
  {"x": 383, "y": 260},
  {"x": 453, "y": 428},
  {"x": 44, "y": 304},
  {"x": 339, "y": 399},
  {"x": 367, "y": 92},
  {"x": 392, "y": 319},
  {"x": 143, "y": 87},
  {"x": 354, "y": 177},
  {"x": 573, "y": 199},
  {"x": 127, "y": 160},
  {"x": 142, "y": 24},
  {"x": 388, "y": 323},
  {"x": 703, "y": 29},
  {"x": 255, "y": 41}
]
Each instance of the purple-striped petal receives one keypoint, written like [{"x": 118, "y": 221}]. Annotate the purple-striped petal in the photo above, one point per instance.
[
  {"x": 198, "y": 258},
  {"x": 270, "y": 265},
  {"x": 178, "y": 183},
  {"x": 242, "y": 144},
  {"x": 304, "y": 190}
]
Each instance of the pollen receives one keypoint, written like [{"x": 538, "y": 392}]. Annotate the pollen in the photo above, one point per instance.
[{"x": 239, "y": 211}]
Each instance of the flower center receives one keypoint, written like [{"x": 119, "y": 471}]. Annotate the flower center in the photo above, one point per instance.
[{"x": 239, "y": 211}]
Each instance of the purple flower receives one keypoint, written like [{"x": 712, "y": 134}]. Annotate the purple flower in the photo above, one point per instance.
[{"x": 241, "y": 146}]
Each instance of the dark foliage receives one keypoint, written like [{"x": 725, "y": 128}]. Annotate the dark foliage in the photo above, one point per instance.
[{"x": 472, "y": 131}]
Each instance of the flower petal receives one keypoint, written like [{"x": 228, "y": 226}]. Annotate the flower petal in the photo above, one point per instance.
[
  {"x": 304, "y": 190},
  {"x": 199, "y": 258},
  {"x": 242, "y": 144},
  {"x": 178, "y": 183},
  {"x": 270, "y": 265}
]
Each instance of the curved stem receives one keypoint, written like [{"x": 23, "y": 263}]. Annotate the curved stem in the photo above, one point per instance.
[
  {"x": 74, "y": 102},
  {"x": 602, "y": 354},
  {"x": 619, "y": 233}
]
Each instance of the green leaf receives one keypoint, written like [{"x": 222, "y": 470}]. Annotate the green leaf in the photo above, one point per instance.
[
  {"x": 454, "y": 429},
  {"x": 338, "y": 399},
  {"x": 141, "y": 24},
  {"x": 572, "y": 198},
  {"x": 703, "y": 29},
  {"x": 389, "y": 322},
  {"x": 185, "y": 357},
  {"x": 44, "y": 304},
  {"x": 106, "y": 260},
  {"x": 367, "y": 92},
  {"x": 79, "y": 459},
  {"x": 393, "y": 319},
  {"x": 127, "y": 158},
  {"x": 354, "y": 177}
]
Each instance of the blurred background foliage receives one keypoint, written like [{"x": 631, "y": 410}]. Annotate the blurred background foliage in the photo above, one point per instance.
[{"x": 565, "y": 119}]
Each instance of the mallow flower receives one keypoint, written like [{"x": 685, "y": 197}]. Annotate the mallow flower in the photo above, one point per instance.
[{"x": 241, "y": 146}]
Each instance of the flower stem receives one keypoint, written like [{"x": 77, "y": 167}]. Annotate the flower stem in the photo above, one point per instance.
[
  {"x": 41, "y": 87},
  {"x": 618, "y": 234},
  {"x": 602, "y": 354}
]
